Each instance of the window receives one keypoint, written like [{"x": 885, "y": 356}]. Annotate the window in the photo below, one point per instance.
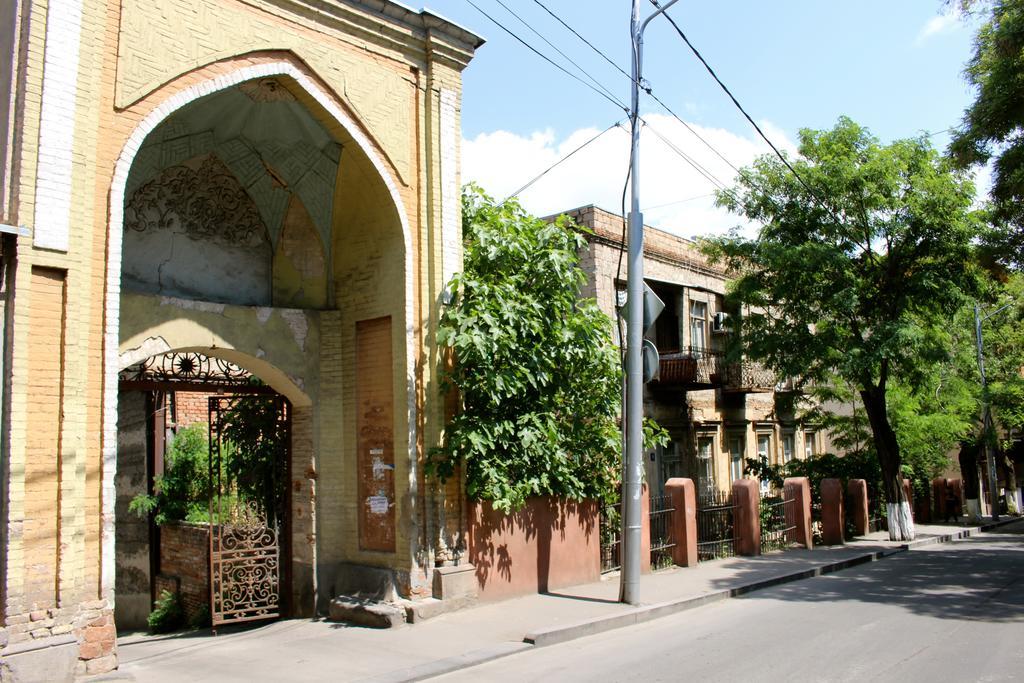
[
  {"x": 764, "y": 448},
  {"x": 698, "y": 325},
  {"x": 671, "y": 463},
  {"x": 788, "y": 446},
  {"x": 705, "y": 457},
  {"x": 735, "y": 458},
  {"x": 704, "y": 446},
  {"x": 809, "y": 448},
  {"x": 666, "y": 326}
]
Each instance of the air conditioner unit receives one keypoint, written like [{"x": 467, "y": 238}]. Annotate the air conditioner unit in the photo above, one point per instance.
[{"x": 718, "y": 323}]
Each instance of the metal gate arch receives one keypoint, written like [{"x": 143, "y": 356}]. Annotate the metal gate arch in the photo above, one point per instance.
[{"x": 249, "y": 542}]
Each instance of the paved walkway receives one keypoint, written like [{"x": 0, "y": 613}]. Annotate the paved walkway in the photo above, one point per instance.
[{"x": 310, "y": 650}]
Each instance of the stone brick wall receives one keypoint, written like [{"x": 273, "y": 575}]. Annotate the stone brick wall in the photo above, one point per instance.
[
  {"x": 185, "y": 565},
  {"x": 190, "y": 407}
]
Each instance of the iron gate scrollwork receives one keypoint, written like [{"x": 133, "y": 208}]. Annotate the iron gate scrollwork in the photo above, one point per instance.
[{"x": 248, "y": 503}]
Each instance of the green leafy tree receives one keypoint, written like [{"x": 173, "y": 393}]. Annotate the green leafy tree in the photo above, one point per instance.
[
  {"x": 255, "y": 453},
  {"x": 182, "y": 492},
  {"x": 534, "y": 364},
  {"x": 1003, "y": 334},
  {"x": 859, "y": 278},
  {"x": 993, "y": 125}
]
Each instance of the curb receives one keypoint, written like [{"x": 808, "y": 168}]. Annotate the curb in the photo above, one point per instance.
[{"x": 638, "y": 615}]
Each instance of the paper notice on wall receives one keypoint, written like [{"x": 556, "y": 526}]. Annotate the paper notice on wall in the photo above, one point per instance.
[
  {"x": 378, "y": 504},
  {"x": 380, "y": 467}
]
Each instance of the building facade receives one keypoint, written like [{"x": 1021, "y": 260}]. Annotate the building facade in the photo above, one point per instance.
[
  {"x": 194, "y": 191},
  {"x": 717, "y": 413}
]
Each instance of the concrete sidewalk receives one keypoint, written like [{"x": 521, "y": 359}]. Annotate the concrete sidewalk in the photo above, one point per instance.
[{"x": 315, "y": 650}]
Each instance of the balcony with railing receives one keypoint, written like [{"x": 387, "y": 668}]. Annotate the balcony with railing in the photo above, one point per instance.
[
  {"x": 690, "y": 369},
  {"x": 748, "y": 377}
]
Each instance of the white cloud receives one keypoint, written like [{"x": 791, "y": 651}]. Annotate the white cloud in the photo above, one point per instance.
[
  {"x": 936, "y": 25},
  {"x": 674, "y": 196}
]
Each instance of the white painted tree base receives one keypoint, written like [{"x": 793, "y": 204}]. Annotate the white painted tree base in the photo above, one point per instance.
[
  {"x": 901, "y": 522},
  {"x": 973, "y": 510}
]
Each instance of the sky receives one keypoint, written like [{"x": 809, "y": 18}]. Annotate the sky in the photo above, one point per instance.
[{"x": 895, "y": 66}]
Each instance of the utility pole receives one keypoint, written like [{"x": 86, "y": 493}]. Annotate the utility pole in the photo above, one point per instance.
[
  {"x": 986, "y": 412},
  {"x": 629, "y": 578}
]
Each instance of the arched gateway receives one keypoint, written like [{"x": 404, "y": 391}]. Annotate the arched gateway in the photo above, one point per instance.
[{"x": 276, "y": 219}]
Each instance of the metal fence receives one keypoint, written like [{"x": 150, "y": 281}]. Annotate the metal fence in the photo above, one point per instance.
[
  {"x": 715, "y": 529},
  {"x": 662, "y": 538},
  {"x": 778, "y": 519},
  {"x": 876, "y": 518},
  {"x": 611, "y": 537}
]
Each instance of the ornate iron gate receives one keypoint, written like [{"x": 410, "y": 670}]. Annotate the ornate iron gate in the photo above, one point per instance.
[{"x": 248, "y": 477}]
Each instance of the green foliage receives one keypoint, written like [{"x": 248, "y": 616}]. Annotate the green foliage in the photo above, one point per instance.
[
  {"x": 182, "y": 492},
  {"x": 253, "y": 466},
  {"x": 863, "y": 288},
  {"x": 167, "y": 614},
  {"x": 868, "y": 283},
  {"x": 993, "y": 123},
  {"x": 824, "y": 466},
  {"x": 253, "y": 452},
  {"x": 535, "y": 366}
]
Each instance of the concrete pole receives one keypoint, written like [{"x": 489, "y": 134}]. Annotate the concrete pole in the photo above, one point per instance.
[{"x": 629, "y": 578}]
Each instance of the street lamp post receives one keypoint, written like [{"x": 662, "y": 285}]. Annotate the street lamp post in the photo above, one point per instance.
[
  {"x": 629, "y": 586},
  {"x": 986, "y": 411}
]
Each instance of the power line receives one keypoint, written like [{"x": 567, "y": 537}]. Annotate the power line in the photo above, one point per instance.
[
  {"x": 550, "y": 168},
  {"x": 678, "y": 201},
  {"x": 708, "y": 175},
  {"x": 564, "y": 56},
  {"x": 588, "y": 43},
  {"x": 743, "y": 111},
  {"x": 645, "y": 87},
  {"x": 543, "y": 56}
]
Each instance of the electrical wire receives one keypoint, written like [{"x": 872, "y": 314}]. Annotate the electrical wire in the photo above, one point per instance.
[
  {"x": 645, "y": 87},
  {"x": 743, "y": 111},
  {"x": 617, "y": 124},
  {"x": 587, "y": 42},
  {"x": 559, "y": 51},
  {"x": 543, "y": 56},
  {"x": 678, "y": 201}
]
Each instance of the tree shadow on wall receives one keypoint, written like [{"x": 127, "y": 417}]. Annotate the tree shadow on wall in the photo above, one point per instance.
[
  {"x": 976, "y": 579},
  {"x": 496, "y": 538}
]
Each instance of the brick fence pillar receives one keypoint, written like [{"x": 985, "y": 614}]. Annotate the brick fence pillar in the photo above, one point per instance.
[
  {"x": 833, "y": 519},
  {"x": 684, "y": 520},
  {"x": 798, "y": 489},
  {"x": 746, "y": 497},
  {"x": 645, "y": 530},
  {"x": 857, "y": 496}
]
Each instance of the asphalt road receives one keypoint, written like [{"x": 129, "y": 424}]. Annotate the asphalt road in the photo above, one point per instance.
[{"x": 948, "y": 612}]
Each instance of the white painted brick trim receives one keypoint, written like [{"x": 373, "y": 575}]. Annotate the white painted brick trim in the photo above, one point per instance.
[
  {"x": 52, "y": 219},
  {"x": 111, "y": 360},
  {"x": 451, "y": 239}
]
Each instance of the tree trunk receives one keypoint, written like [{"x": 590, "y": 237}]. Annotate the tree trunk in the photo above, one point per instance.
[
  {"x": 901, "y": 521},
  {"x": 1010, "y": 474},
  {"x": 969, "y": 475}
]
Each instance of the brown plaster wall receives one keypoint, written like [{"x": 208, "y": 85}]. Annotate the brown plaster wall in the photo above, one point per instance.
[{"x": 549, "y": 544}]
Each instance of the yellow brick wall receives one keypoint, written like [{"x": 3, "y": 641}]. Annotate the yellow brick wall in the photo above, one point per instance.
[
  {"x": 135, "y": 55},
  {"x": 43, "y": 480}
]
